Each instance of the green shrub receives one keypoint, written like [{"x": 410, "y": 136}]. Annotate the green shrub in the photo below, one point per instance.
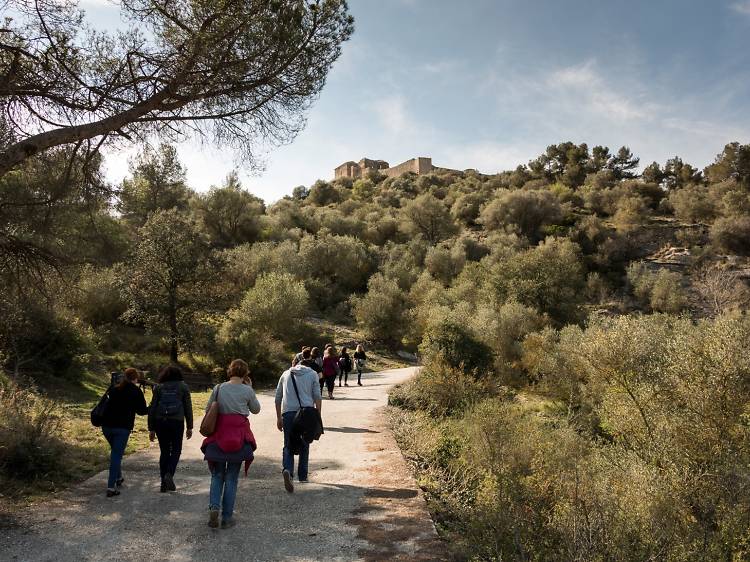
[
  {"x": 692, "y": 204},
  {"x": 660, "y": 291},
  {"x": 524, "y": 212},
  {"x": 381, "y": 312},
  {"x": 30, "y": 427},
  {"x": 445, "y": 261},
  {"x": 43, "y": 340},
  {"x": 632, "y": 212},
  {"x": 276, "y": 305},
  {"x": 732, "y": 235},
  {"x": 265, "y": 355},
  {"x": 97, "y": 297},
  {"x": 503, "y": 331},
  {"x": 457, "y": 346},
  {"x": 442, "y": 390},
  {"x": 428, "y": 216},
  {"x": 656, "y": 472},
  {"x": 549, "y": 278}
]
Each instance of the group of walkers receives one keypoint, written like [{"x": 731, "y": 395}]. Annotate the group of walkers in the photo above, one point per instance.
[
  {"x": 331, "y": 365},
  {"x": 229, "y": 442}
]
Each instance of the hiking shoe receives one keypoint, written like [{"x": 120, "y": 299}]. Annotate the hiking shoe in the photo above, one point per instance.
[
  {"x": 169, "y": 483},
  {"x": 359, "y": 384},
  {"x": 288, "y": 484},
  {"x": 112, "y": 493},
  {"x": 213, "y": 518},
  {"x": 228, "y": 523},
  {"x": 346, "y": 384},
  {"x": 163, "y": 487},
  {"x": 119, "y": 482}
]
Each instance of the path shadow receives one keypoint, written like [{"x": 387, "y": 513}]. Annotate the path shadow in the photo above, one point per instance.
[
  {"x": 364, "y": 399},
  {"x": 350, "y": 430}
]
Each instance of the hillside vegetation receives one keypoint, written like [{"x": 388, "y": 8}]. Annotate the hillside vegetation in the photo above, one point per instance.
[{"x": 585, "y": 391}]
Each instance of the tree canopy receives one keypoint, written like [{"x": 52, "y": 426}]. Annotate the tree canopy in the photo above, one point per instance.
[{"x": 239, "y": 71}]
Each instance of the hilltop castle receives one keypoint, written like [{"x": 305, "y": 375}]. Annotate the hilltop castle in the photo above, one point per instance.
[{"x": 419, "y": 165}]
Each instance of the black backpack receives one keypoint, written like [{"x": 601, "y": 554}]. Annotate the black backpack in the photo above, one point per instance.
[
  {"x": 307, "y": 426},
  {"x": 100, "y": 410},
  {"x": 169, "y": 404}
]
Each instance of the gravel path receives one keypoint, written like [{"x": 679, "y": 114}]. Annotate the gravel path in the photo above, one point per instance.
[{"x": 361, "y": 503}]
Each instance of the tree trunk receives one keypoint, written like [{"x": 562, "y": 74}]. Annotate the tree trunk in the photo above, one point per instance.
[{"x": 173, "y": 333}]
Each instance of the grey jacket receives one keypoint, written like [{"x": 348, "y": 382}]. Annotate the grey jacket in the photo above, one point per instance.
[{"x": 307, "y": 385}]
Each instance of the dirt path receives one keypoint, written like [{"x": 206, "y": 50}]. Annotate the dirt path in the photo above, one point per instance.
[{"x": 360, "y": 504}]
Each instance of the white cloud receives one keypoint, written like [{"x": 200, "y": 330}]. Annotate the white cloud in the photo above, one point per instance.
[
  {"x": 589, "y": 91},
  {"x": 488, "y": 157},
  {"x": 444, "y": 66},
  {"x": 393, "y": 114},
  {"x": 742, "y": 7}
]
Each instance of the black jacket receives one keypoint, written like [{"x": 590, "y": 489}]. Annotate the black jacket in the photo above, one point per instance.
[
  {"x": 312, "y": 364},
  {"x": 124, "y": 403}
]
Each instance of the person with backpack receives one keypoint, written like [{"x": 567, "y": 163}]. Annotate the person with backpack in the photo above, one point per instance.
[
  {"x": 360, "y": 358},
  {"x": 231, "y": 441},
  {"x": 121, "y": 404},
  {"x": 297, "y": 390},
  {"x": 171, "y": 410},
  {"x": 345, "y": 366},
  {"x": 330, "y": 370}
]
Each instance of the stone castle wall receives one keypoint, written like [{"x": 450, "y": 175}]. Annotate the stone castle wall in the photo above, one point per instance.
[
  {"x": 354, "y": 170},
  {"x": 418, "y": 166}
]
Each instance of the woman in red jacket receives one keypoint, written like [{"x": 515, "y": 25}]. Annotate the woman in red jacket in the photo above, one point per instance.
[
  {"x": 330, "y": 370},
  {"x": 232, "y": 442}
]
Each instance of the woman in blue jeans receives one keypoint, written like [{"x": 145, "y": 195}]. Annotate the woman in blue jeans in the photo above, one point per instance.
[
  {"x": 232, "y": 442},
  {"x": 125, "y": 401}
]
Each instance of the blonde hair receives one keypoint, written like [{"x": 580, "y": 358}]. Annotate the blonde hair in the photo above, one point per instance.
[
  {"x": 359, "y": 347},
  {"x": 238, "y": 368}
]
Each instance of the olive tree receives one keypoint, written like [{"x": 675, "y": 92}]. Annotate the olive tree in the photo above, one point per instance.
[
  {"x": 229, "y": 214},
  {"x": 169, "y": 276}
]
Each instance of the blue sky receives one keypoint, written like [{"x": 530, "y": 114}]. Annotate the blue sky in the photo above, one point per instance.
[{"x": 488, "y": 84}]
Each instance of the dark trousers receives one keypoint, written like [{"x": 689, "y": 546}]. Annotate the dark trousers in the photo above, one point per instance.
[
  {"x": 169, "y": 433},
  {"x": 344, "y": 374},
  {"x": 287, "y": 458},
  {"x": 329, "y": 383}
]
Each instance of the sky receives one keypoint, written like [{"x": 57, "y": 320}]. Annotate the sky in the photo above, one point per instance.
[{"x": 489, "y": 84}]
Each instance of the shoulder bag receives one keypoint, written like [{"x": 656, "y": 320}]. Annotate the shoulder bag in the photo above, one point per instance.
[{"x": 208, "y": 424}]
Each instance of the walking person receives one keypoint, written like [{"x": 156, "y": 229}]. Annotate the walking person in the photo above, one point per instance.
[
  {"x": 297, "y": 388},
  {"x": 330, "y": 370},
  {"x": 317, "y": 358},
  {"x": 125, "y": 401},
  {"x": 298, "y": 358},
  {"x": 171, "y": 410},
  {"x": 231, "y": 443},
  {"x": 360, "y": 358},
  {"x": 345, "y": 366}
]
